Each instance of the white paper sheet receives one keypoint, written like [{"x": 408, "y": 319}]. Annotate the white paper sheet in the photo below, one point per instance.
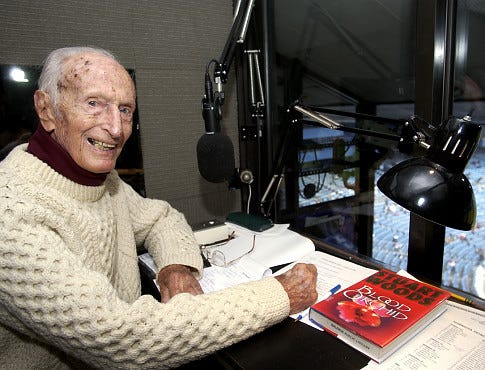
[
  {"x": 455, "y": 340},
  {"x": 272, "y": 247}
]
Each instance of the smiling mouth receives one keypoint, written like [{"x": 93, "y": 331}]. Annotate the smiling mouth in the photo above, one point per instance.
[{"x": 100, "y": 145}]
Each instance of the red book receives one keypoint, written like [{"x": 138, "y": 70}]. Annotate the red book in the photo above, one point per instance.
[{"x": 380, "y": 313}]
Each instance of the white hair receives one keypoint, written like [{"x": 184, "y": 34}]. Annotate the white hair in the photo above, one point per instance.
[{"x": 52, "y": 71}]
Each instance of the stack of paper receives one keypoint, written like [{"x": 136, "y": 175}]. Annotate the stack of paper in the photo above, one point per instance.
[{"x": 273, "y": 247}]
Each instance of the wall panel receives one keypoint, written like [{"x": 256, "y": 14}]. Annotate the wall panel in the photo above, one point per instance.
[{"x": 168, "y": 44}]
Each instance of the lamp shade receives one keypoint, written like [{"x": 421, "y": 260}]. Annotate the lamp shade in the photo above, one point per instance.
[
  {"x": 430, "y": 191},
  {"x": 434, "y": 187}
]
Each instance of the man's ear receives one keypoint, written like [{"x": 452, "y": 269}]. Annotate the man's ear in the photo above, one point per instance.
[{"x": 45, "y": 110}]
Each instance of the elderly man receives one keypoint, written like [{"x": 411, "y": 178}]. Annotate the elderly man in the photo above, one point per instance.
[{"x": 69, "y": 227}]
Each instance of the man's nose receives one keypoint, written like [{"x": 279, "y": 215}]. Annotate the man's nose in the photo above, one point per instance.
[{"x": 114, "y": 123}]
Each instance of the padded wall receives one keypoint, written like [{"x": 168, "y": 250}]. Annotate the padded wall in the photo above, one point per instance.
[{"x": 168, "y": 44}]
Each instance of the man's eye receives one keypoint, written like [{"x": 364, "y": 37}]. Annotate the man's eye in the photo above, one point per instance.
[
  {"x": 97, "y": 103},
  {"x": 126, "y": 114}
]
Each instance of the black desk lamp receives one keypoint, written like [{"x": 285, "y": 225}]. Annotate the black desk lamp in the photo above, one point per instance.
[{"x": 432, "y": 186}]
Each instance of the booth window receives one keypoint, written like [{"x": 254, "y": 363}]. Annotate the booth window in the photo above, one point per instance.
[{"x": 327, "y": 54}]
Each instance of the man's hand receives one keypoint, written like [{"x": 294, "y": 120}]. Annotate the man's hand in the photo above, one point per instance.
[
  {"x": 300, "y": 284},
  {"x": 175, "y": 279}
]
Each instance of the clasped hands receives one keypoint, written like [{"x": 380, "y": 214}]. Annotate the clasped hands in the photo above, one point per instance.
[{"x": 299, "y": 283}]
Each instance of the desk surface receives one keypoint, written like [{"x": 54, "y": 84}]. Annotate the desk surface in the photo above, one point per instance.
[{"x": 292, "y": 345}]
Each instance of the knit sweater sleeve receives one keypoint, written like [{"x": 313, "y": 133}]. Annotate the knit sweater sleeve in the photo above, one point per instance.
[
  {"x": 60, "y": 267},
  {"x": 160, "y": 228},
  {"x": 47, "y": 293}
]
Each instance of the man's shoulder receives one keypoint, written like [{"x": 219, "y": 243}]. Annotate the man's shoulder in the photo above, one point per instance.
[{"x": 11, "y": 169}]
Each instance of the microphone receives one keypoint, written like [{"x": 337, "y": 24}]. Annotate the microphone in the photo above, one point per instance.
[
  {"x": 215, "y": 152},
  {"x": 215, "y": 157},
  {"x": 210, "y": 111}
]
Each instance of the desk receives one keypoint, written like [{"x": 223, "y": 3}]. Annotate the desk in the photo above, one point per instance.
[{"x": 290, "y": 344}]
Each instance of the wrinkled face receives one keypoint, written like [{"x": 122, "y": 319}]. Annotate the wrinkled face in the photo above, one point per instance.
[{"x": 96, "y": 105}]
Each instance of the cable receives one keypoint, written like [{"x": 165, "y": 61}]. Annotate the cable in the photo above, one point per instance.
[{"x": 249, "y": 198}]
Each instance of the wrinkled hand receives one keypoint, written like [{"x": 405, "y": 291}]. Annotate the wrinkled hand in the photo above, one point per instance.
[
  {"x": 300, "y": 284},
  {"x": 175, "y": 279}
]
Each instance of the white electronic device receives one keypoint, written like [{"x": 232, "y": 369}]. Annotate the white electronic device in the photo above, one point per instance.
[{"x": 210, "y": 232}]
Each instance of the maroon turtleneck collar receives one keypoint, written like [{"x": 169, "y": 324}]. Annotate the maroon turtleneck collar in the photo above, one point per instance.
[{"x": 44, "y": 147}]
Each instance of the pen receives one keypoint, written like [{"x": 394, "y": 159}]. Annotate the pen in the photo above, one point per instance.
[
  {"x": 301, "y": 316},
  {"x": 461, "y": 299},
  {"x": 466, "y": 301},
  {"x": 331, "y": 292},
  {"x": 278, "y": 267}
]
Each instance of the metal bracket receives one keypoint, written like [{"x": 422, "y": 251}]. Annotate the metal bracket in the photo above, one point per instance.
[{"x": 248, "y": 133}]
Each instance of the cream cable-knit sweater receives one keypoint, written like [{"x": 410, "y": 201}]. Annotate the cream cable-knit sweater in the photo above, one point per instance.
[{"x": 70, "y": 286}]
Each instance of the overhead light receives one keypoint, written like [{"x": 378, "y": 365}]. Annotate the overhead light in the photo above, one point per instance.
[{"x": 18, "y": 75}]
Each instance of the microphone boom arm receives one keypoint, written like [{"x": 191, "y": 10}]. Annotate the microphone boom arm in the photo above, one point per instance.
[
  {"x": 215, "y": 152},
  {"x": 236, "y": 36}
]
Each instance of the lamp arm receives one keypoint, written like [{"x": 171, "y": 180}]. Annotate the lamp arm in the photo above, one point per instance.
[
  {"x": 411, "y": 133},
  {"x": 331, "y": 124},
  {"x": 278, "y": 172},
  {"x": 357, "y": 115}
]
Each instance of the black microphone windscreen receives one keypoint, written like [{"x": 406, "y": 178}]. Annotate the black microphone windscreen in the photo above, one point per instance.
[{"x": 215, "y": 157}]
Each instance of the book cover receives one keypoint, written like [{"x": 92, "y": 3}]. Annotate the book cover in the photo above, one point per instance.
[{"x": 379, "y": 313}]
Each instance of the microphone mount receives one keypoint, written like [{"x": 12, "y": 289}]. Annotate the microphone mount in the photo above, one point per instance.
[
  {"x": 214, "y": 145},
  {"x": 211, "y": 104},
  {"x": 236, "y": 36}
]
